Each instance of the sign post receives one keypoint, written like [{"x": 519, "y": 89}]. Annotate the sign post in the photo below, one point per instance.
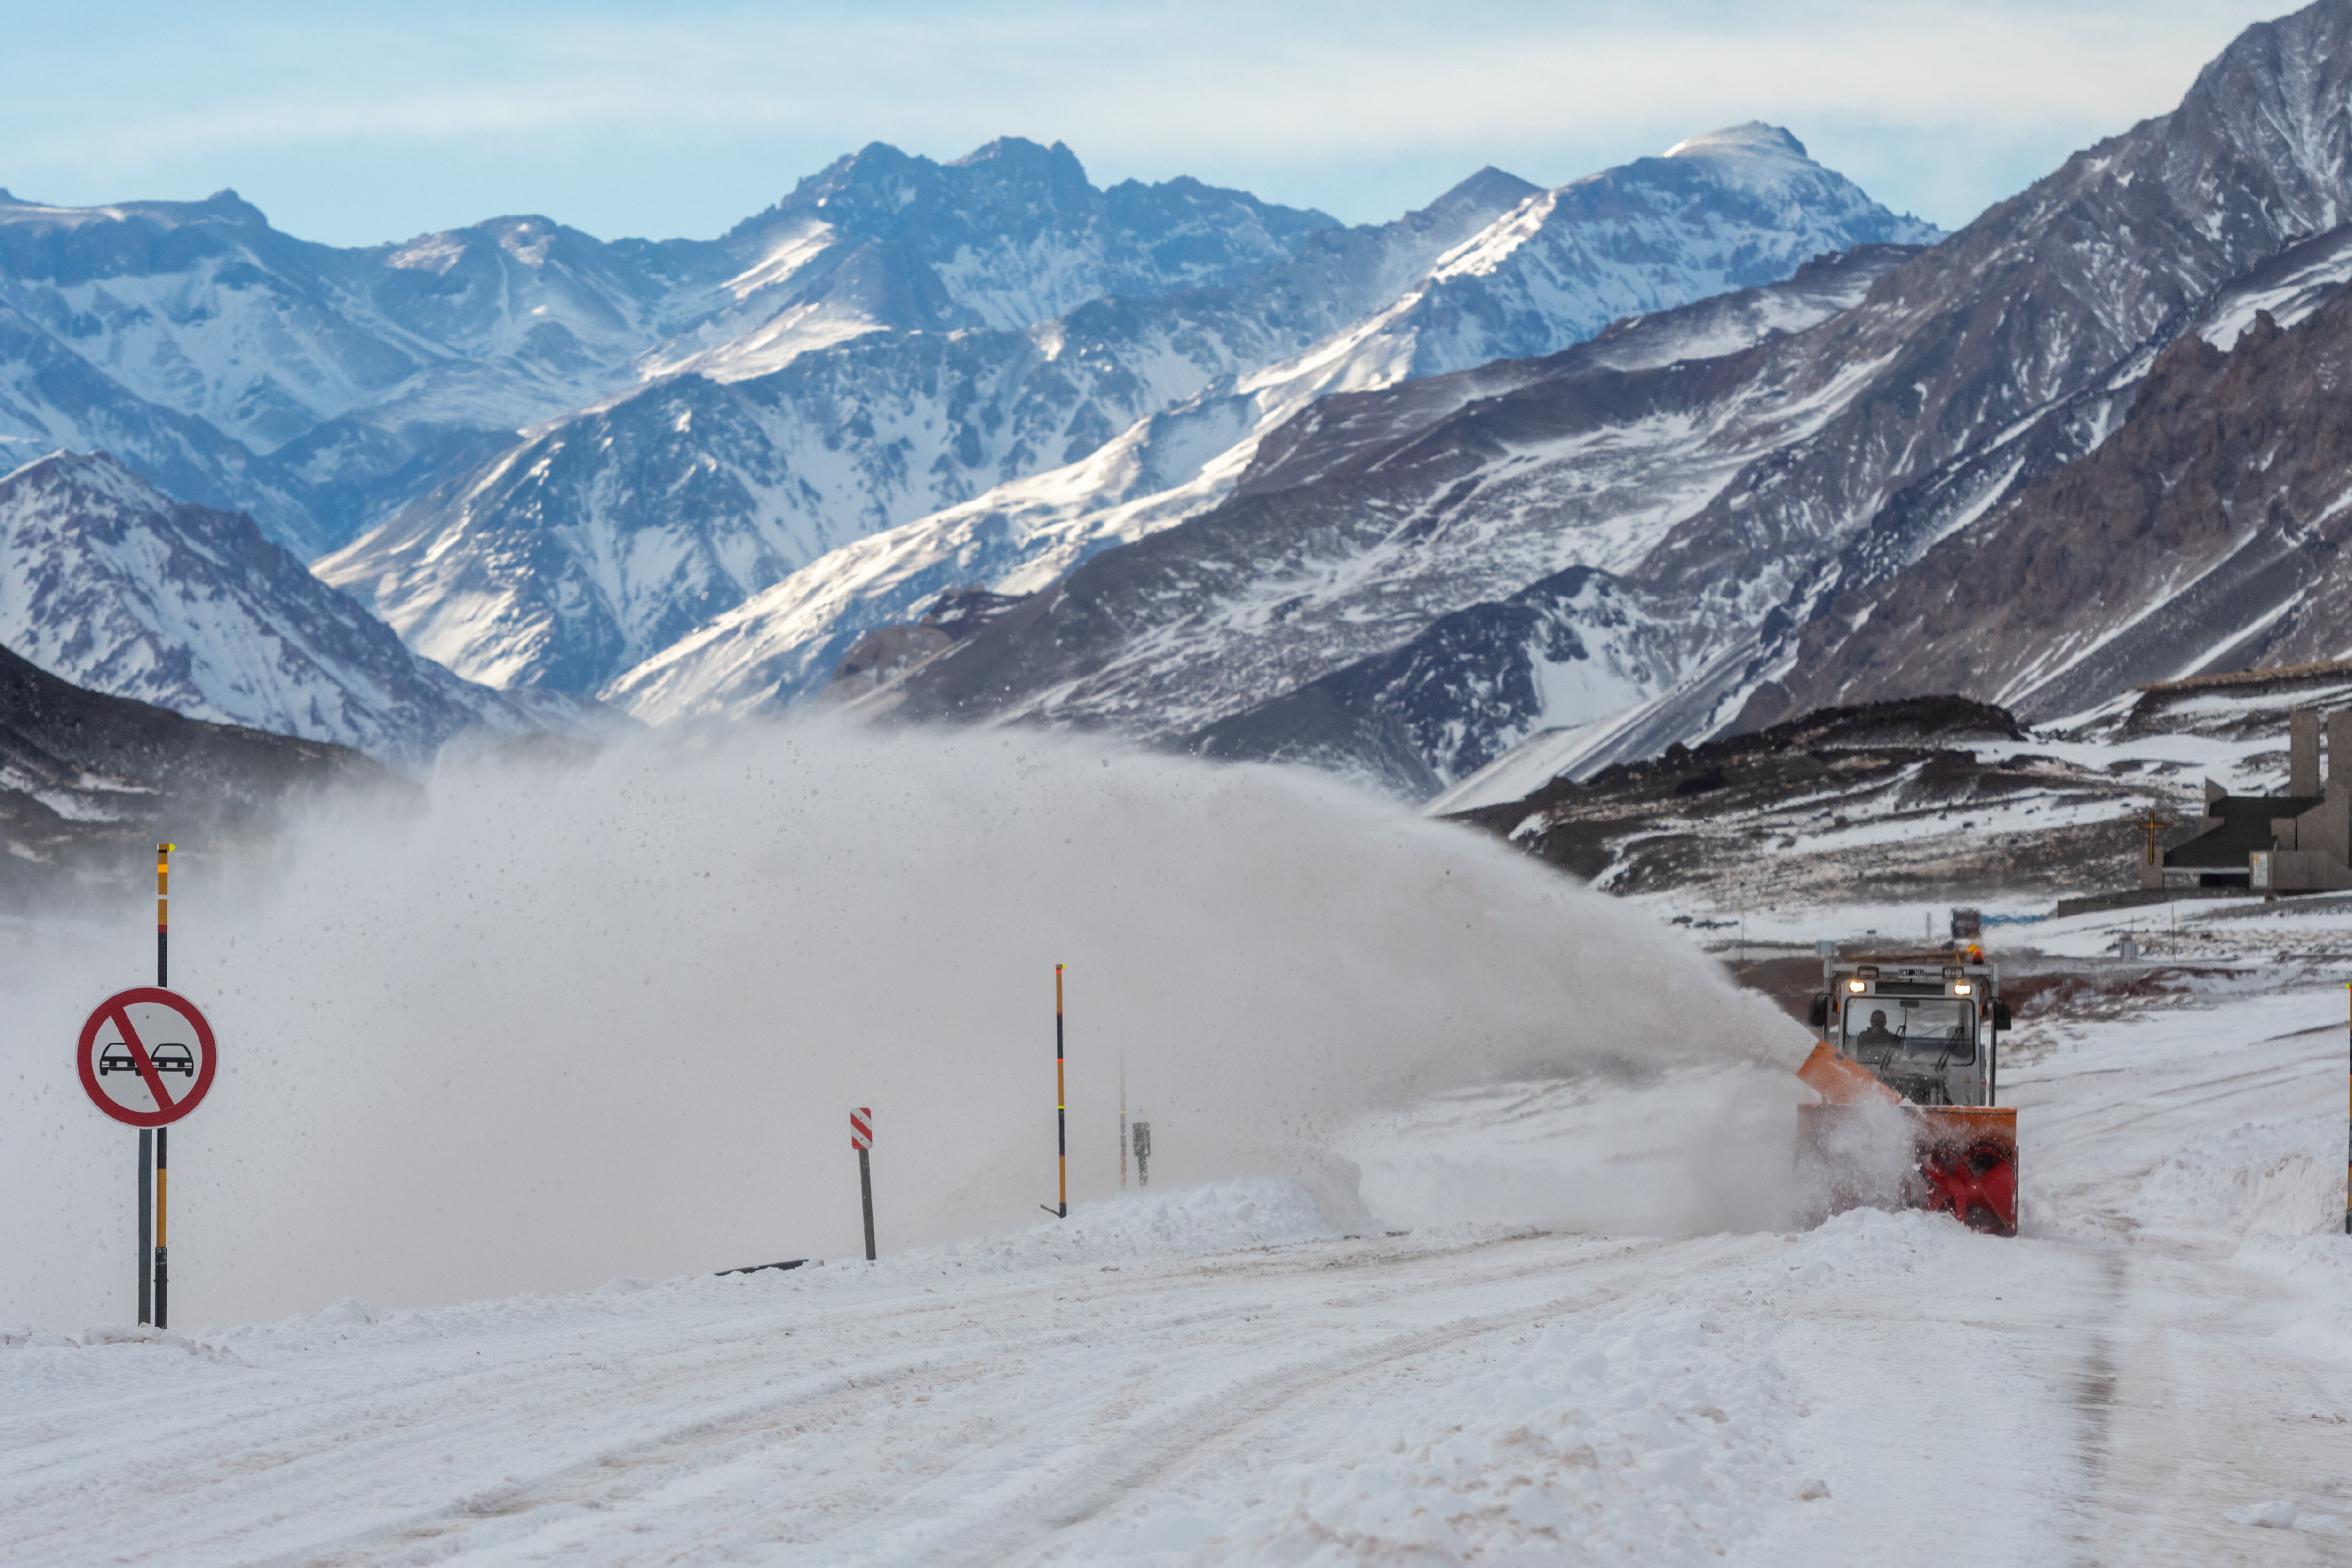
[
  {"x": 1061, "y": 1105},
  {"x": 131, "y": 1048},
  {"x": 163, "y": 978},
  {"x": 146, "y": 1136},
  {"x": 146, "y": 1224},
  {"x": 861, "y": 1138}
]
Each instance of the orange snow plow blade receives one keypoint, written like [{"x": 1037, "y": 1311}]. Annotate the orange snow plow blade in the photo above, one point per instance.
[
  {"x": 1959, "y": 1160},
  {"x": 1843, "y": 1082}
]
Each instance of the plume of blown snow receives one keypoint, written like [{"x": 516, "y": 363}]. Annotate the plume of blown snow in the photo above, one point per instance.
[{"x": 575, "y": 1016}]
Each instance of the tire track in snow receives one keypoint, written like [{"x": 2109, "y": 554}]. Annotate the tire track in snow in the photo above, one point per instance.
[{"x": 972, "y": 1351}]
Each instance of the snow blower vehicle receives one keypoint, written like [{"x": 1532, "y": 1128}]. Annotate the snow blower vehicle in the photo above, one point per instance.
[{"x": 1908, "y": 1074}]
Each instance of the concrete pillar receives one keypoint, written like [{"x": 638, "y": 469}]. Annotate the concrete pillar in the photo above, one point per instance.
[
  {"x": 2303, "y": 751},
  {"x": 2328, "y": 829}
]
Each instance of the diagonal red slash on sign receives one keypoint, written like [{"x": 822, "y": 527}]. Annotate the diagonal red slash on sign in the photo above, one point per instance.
[{"x": 163, "y": 1100}]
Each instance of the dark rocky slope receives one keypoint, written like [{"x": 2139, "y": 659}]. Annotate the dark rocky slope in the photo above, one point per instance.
[
  {"x": 89, "y": 784},
  {"x": 1937, "y": 797},
  {"x": 2206, "y": 535}
]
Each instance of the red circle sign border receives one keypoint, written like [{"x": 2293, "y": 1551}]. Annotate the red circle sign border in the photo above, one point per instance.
[{"x": 178, "y": 1003}]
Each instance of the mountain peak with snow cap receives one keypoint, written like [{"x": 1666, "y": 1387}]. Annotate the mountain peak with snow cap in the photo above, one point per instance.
[{"x": 1755, "y": 139}]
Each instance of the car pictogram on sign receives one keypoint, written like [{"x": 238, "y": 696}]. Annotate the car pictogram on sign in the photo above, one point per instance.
[{"x": 165, "y": 1057}]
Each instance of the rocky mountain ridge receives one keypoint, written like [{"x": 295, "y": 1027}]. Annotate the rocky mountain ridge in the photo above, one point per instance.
[
  {"x": 1727, "y": 499},
  {"x": 2206, "y": 533},
  {"x": 338, "y": 383},
  {"x": 1731, "y": 212},
  {"x": 107, "y": 582},
  {"x": 89, "y": 784}
]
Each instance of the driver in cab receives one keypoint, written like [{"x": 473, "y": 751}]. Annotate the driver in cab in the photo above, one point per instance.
[{"x": 1878, "y": 1035}]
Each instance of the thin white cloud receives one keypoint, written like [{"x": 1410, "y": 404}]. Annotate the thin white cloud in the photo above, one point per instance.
[{"x": 1153, "y": 89}]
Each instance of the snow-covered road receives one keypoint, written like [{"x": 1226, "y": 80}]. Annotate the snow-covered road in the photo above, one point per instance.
[{"x": 2162, "y": 1364}]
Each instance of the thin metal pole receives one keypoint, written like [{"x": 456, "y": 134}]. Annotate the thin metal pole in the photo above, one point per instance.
[
  {"x": 151, "y": 1146},
  {"x": 2347, "y": 1126},
  {"x": 1122, "y": 1119},
  {"x": 1061, "y": 1099},
  {"x": 163, "y": 1250},
  {"x": 146, "y": 1222},
  {"x": 865, "y": 1190}
]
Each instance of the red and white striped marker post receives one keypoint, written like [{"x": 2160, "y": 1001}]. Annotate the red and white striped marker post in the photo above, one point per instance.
[{"x": 861, "y": 1138}]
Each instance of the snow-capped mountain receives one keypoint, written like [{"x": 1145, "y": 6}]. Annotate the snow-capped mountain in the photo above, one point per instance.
[
  {"x": 607, "y": 537},
  {"x": 1723, "y": 212},
  {"x": 325, "y": 375},
  {"x": 342, "y": 382},
  {"x": 1731, "y": 497},
  {"x": 1731, "y": 209},
  {"x": 51, "y": 399},
  {"x": 109, "y": 584},
  {"x": 1021, "y": 537},
  {"x": 1009, "y": 236}
]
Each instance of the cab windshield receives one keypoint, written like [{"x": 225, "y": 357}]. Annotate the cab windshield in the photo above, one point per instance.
[{"x": 1885, "y": 1030}]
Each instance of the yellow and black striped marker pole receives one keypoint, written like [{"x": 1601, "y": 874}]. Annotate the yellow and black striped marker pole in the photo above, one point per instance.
[
  {"x": 162, "y": 914},
  {"x": 162, "y": 1156},
  {"x": 1061, "y": 1104}
]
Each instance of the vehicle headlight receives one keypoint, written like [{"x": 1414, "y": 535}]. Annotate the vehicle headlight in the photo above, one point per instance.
[{"x": 1960, "y": 987}]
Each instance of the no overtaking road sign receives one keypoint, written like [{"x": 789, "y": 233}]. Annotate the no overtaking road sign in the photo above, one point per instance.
[{"x": 146, "y": 1057}]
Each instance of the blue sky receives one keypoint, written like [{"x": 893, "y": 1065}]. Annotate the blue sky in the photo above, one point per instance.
[{"x": 354, "y": 124}]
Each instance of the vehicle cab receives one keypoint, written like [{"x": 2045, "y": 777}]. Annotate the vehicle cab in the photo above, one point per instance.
[{"x": 1924, "y": 1024}]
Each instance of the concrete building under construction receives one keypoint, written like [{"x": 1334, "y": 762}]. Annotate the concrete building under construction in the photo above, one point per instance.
[{"x": 2297, "y": 842}]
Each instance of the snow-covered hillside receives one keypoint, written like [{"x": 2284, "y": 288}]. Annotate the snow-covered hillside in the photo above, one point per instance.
[{"x": 110, "y": 584}]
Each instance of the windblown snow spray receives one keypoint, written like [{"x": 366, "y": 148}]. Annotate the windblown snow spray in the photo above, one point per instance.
[{"x": 783, "y": 919}]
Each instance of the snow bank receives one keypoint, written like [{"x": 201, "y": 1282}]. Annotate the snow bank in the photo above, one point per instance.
[
  {"x": 1221, "y": 1216},
  {"x": 2254, "y": 1179},
  {"x": 577, "y": 1017}
]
